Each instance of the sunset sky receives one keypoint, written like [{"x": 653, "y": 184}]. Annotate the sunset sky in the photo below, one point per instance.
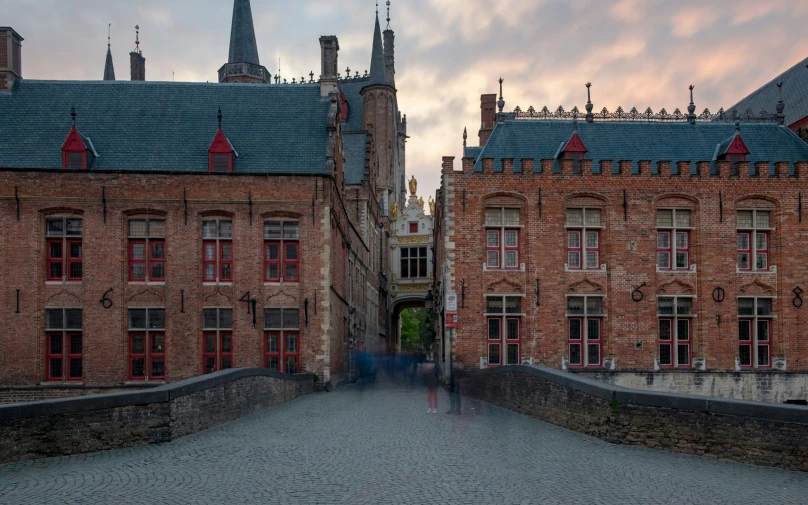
[{"x": 635, "y": 52}]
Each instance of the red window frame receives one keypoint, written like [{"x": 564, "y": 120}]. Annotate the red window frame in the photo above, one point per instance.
[
  {"x": 747, "y": 343},
  {"x": 681, "y": 342},
  {"x": 748, "y": 252},
  {"x": 210, "y": 362},
  {"x": 575, "y": 339},
  {"x": 583, "y": 249},
  {"x": 72, "y": 260},
  {"x": 501, "y": 339},
  {"x": 207, "y": 261},
  {"x": 71, "y": 356},
  {"x": 674, "y": 250},
  {"x": 50, "y": 355},
  {"x": 156, "y": 261},
  {"x": 670, "y": 249},
  {"x": 289, "y": 354},
  {"x": 287, "y": 262},
  {"x": 272, "y": 354},
  {"x": 268, "y": 261},
  {"x": 138, "y": 356},
  {"x": 757, "y": 251},
  {"x": 507, "y": 248},
  {"x": 133, "y": 261},
  {"x": 223, "y": 262},
  {"x": 51, "y": 260},
  {"x": 497, "y": 248},
  {"x": 666, "y": 342},
  {"x": 594, "y": 342},
  {"x": 766, "y": 344},
  {"x": 583, "y": 341},
  {"x": 156, "y": 355}
]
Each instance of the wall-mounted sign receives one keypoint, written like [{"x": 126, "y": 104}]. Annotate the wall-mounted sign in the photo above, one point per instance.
[
  {"x": 451, "y": 302},
  {"x": 451, "y": 321}
]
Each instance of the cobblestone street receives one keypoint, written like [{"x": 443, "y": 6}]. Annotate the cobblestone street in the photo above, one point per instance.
[{"x": 375, "y": 444}]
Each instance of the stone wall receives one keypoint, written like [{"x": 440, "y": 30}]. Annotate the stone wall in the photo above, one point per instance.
[
  {"x": 92, "y": 423},
  {"x": 776, "y": 387},
  {"x": 742, "y": 431},
  {"x": 20, "y": 394}
]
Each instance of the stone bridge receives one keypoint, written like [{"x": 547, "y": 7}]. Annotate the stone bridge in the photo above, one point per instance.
[{"x": 374, "y": 443}]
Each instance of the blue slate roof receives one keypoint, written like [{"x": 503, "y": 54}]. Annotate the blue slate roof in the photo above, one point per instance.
[
  {"x": 639, "y": 141},
  {"x": 795, "y": 95},
  {"x": 154, "y": 126},
  {"x": 352, "y": 91},
  {"x": 354, "y": 148},
  {"x": 243, "y": 48},
  {"x": 472, "y": 151}
]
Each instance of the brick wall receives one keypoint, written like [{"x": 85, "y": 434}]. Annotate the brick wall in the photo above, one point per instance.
[
  {"x": 747, "y": 432},
  {"x": 776, "y": 387},
  {"x": 94, "y": 423},
  {"x": 20, "y": 394},
  {"x": 4, "y": 49},
  {"x": 628, "y": 248},
  {"x": 312, "y": 201}
]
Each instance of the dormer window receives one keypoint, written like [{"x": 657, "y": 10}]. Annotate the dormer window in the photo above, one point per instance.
[
  {"x": 220, "y": 152},
  {"x": 77, "y": 151},
  {"x": 574, "y": 149},
  {"x": 734, "y": 148}
]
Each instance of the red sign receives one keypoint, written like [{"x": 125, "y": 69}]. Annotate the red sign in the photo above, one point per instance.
[{"x": 451, "y": 320}]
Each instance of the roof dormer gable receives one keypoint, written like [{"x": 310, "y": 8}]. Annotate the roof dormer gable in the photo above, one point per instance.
[
  {"x": 77, "y": 151},
  {"x": 220, "y": 152}
]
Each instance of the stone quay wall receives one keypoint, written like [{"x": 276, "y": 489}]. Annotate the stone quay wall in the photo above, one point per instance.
[
  {"x": 65, "y": 426},
  {"x": 735, "y": 430}
]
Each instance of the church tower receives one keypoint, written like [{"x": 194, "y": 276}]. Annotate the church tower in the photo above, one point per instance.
[
  {"x": 380, "y": 109},
  {"x": 243, "y": 64}
]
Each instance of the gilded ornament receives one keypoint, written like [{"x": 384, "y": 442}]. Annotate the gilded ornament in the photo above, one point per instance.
[
  {"x": 421, "y": 202},
  {"x": 394, "y": 211},
  {"x": 431, "y": 206},
  {"x": 413, "y": 186}
]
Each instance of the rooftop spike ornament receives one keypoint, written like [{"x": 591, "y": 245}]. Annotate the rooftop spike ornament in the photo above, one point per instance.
[
  {"x": 220, "y": 117},
  {"x": 589, "y": 116},
  {"x": 781, "y": 118},
  {"x": 137, "y": 39},
  {"x": 691, "y": 109},
  {"x": 73, "y": 114},
  {"x": 465, "y": 136},
  {"x": 109, "y": 69},
  {"x": 388, "y": 14},
  {"x": 501, "y": 102}
]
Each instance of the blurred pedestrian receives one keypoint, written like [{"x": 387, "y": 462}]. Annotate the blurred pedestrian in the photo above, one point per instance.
[{"x": 430, "y": 378}]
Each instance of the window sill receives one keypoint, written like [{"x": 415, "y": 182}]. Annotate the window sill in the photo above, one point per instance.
[
  {"x": 144, "y": 383},
  {"x": 692, "y": 270},
  {"x": 59, "y": 283},
  {"x": 147, "y": 283},
  {"x": 601, "y": 270},
  {"x": 772, "y": 270},
  {"x": 61, "y": 384},
  {"x": 281, "y": 283},
  {"x": 498, "y": 269},
  {"x": 213, "y": 283}
]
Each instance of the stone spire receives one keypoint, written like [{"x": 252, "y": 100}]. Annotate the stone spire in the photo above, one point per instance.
[
  {"x": 109, "y": 69},
  {"x": 243, "y": 48},
  {"x": 378, "y": 69},
  {"x": 242, "y": 64}
]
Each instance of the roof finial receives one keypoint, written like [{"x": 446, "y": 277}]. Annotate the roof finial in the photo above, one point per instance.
[
  {"x": 73, "y": 114},
  {"x": 691, "y": 109},
  {"x": 109, "y": 35},
  {"x": 589, "y": 116},
  {"x": 781, "y": 118},
  {"x": 501, "y": 102},
  {"x": 377, "y": 8},
  {"x": 137, "y": 39},
  {"x": 220, "y": 117},
  {"x": 574, "y": 122},
  {"x": 465, "y": 136},
  {"x": 388, "y": 14}
]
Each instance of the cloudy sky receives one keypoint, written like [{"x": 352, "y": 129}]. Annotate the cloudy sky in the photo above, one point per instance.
[{"x": 636, "y": 52}]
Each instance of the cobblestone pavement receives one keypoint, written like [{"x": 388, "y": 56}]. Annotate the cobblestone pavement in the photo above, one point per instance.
[{"x": 375, "y": 444}]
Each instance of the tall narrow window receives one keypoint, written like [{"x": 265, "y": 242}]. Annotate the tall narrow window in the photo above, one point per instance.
[
  {"x": 675, "y": 331},
  {"x": 64, "y": 344},
  {"x": 282, "y": 340},
  {"x": 217, "y": 336},
  {"x": 64, "y": 249},
  {"x": 504, "y": 318},
  {"x": 583, "y": 239},
  {"x": 502, "y": 238},
  {"x": 282, "y": 251},
  {"x": 147, "y": 250},
  {"x": 755, "y": 332},
  {"x": 585, "y": 330},
  {"x": 217, "y": 250},
  {"x": 673, "y": 239},
  {"x": 147, "y": 344},
  {"x": 754, "y": 231}
]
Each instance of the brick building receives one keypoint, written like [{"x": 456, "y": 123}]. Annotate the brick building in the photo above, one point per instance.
[
  {"x": 156, "y": 231},
  {"x": 626, "y": 241}
]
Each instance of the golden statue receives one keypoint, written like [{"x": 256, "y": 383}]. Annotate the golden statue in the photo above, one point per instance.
[
  {"x": 421, "y": 202},
  {"x": 413, "y": 186},
  {"x": 394, "y": 211},
  {"x": 431, "y": 206}
]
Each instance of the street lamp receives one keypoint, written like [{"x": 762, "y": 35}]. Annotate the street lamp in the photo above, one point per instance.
[{"x": 428, "y": 299}]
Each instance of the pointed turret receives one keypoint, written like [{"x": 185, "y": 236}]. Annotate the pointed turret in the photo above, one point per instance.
[
  {"x": 109, "y": 69},
  {"x": 243, "y": 64},
  {"x": 378, "y": 69}
]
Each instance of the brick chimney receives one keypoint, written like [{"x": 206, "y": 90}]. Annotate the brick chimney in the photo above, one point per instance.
[
  {"x": 10, "y": 57},
  {"x": 488, "y": 105},
  {"x": 390, "y": 56},
  {"x": 137, "y": 63},
  {"x": 329, "y": 57}
]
